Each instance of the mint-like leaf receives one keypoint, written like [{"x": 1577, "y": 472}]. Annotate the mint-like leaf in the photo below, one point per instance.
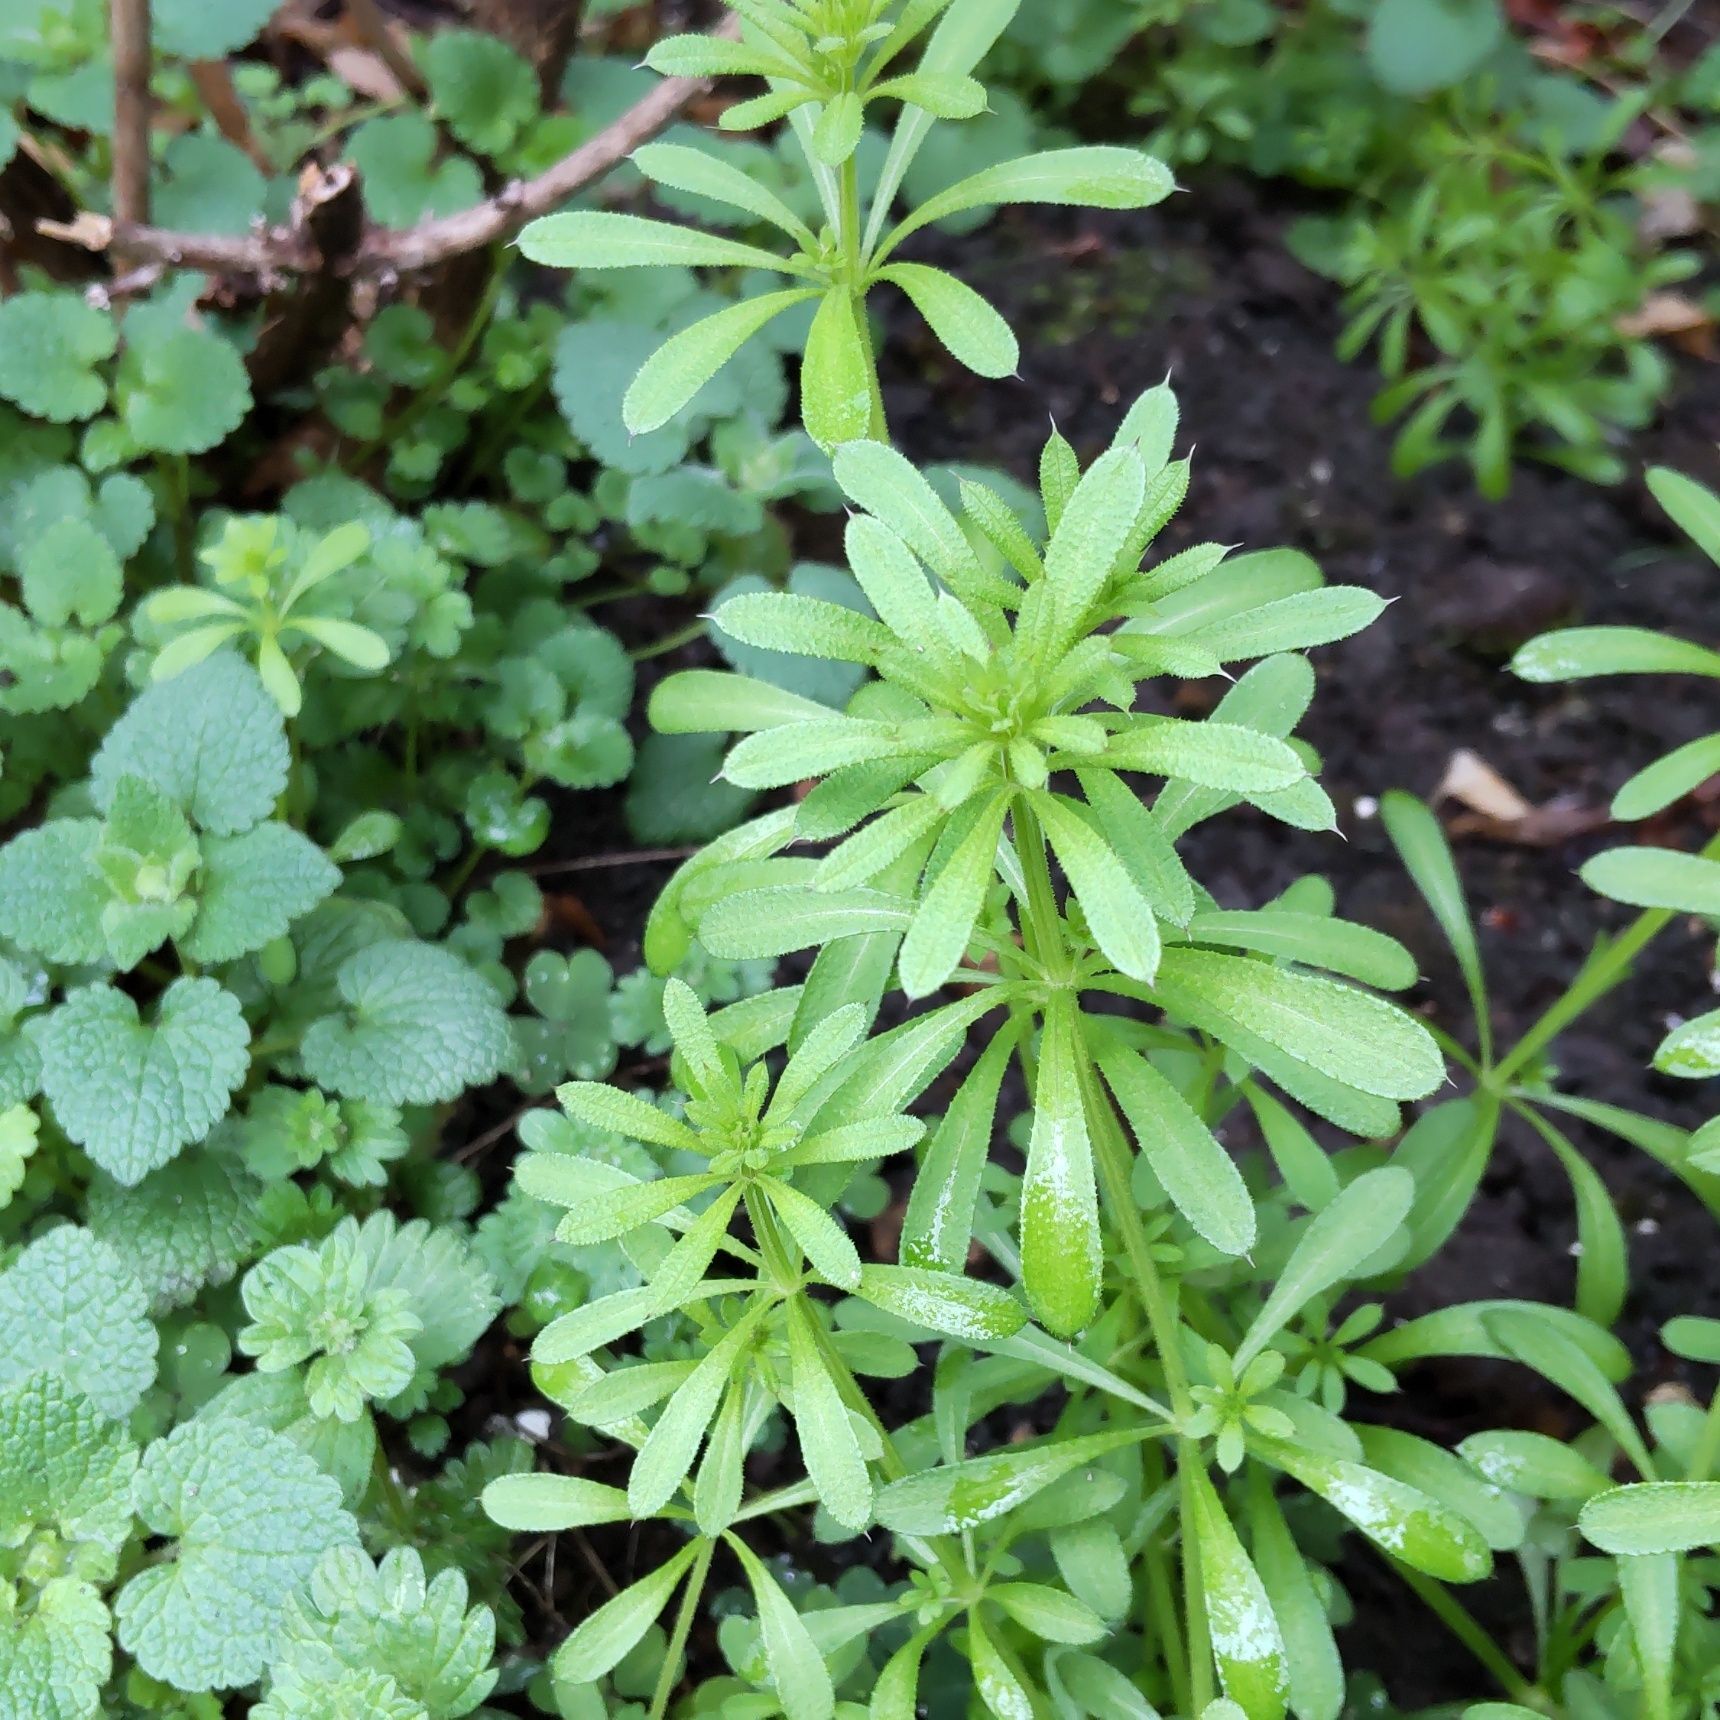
[
  {"x": 211, "y": 739},
  {"x": 253, "y": 886},
  {"x": 68, "y": 1305},
  {"x": 418, "y": 1027},
  {"x": 51, "y": 897},
  {"x": 132, "y": 1095},
  {"x": 251, "y": 1514}
]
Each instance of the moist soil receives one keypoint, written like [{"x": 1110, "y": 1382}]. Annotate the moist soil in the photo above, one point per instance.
[{"x": 1286, "y": 452}]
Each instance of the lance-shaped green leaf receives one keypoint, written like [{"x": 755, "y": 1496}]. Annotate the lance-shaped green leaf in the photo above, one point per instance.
[
  {"x": 1656, "y": 878},
  {"x": 964, "y": 1308},
  {"x": 1061, "y": 1249},
  {"x": 606, "y": 1636},
  {"x": 998, "y": 1685},
  {"x": 896, "y": 1694},
  {"x": 1421, "y": 845},
  {"x": 1471, "y": 1329},
  {"x": 969, "y": 327},
  {"x": 1140, "y": 841},
  {"x": 1211, "y": 754},
  {"x": 1195, "y": 1171},
  {"x": 1695, "y": 508},
  {"x": 862, "y": 856},
  {"x": 669, "y": 1450},
  {"x": 601, "y": 1106},
  {"x": 778, "y": 757},
  {"x": 1095, "y": 177},
  {"x": 1402, "y": 1519},
  {"x": 836, "y": 376},
  {"x": 773, "y": 921},
  {"x": 1553, "y": 1354},
  {"x": 598, "y": 239},
  {"x": 1336, "y": 1241},
  {"x": 1310, "y": 1650},
  {"x": 550, "y": 1503},
  {"x": 1654, "y": 1517},
  {"x": 1359, "y": 1040},
  {"x": 943, "y": 924},
  {"x": 1649, "y": 1583},
  {"x": 874, "y": 476},
  {"x": 706, "y": 175},
  {"x": 1246, "y": 1642},
  {"x": 1119, "y": 914},
  {"x": 1532, "y": 1463},
  {"x": 1575, "y": 653},
  {"x": 937, "y": 1229},
  {"x": 828, "y": 1445},
  {"x": 961, "y": 1496},
  {"x": 686, "y": 1263},
  {"x": 1091, "y": 534},
  {"x": 824, "y": 1242},
  {"x": 624, "y": 1207},
  {"x": 1445, "y": 1477},
  {"x": 797, "y": 1669},
  {"x": 1314, "y": 940},
  {"x": 713, "y": 701},
  {"x": 1657, "y": 786},
  {"x": 685, "y": 362},
  {"x": 807, "y": 626}
]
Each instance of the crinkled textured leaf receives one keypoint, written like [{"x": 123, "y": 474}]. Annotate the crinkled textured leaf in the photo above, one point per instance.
[
  {"x": 418, "y": 1026},
  {"x": 63, "y": 1465},
  {"x": 50, "y": 345},
  {"x": 250, "y": 1515},
  {"x": 51, "y": 898},
  {"x": 133, "y": 1094},
  {"x": 357, "y": 1616},
  {"x": 183, "y": 1227},
  {"x": 54, "y": 1660},
  {"x": 252, "y": 887},
  {"x": 211, "y": 738},
  {"x": 68, "y": 1305}
]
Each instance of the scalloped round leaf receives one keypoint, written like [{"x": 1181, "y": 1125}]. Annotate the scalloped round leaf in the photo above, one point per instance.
[
  {"x": 211, "y": 738},
  {"x": 50, "y": 346},
  {"x": 180, "y": 391},
  {"x": 208, "y": 29},
  {"x": 249, "y": 1514},
  {"x": 417, "y": 1026},
  {"x": 69, "y": 1307},
  {"x": 133, "y": 1094}
]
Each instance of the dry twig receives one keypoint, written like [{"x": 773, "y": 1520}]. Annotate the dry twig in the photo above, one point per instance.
[
  {"x": 131, "y": 105},
  {"x": 292, "y": 249}
]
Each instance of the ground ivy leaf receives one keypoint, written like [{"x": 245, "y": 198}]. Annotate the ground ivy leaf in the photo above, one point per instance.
[
  {"x": 211, "y": 738},
  {"x": 253, "y": 886},
  {"x": 250, "y": 1514},
  {"x": 183, "y": 1227},
  {"x": 50, "y": 345},
  {"x": 419, "y": 1026},
  {"x": 55, "y": 1659},
  {"x": 181, "y": 391},
  {"x": 68, "y": 1305},
  {"x": 51, "y": 898},
  {"x": 133, "y": 1094}
]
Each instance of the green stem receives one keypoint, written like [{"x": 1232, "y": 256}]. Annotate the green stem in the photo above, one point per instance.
[
  {"x": 1457, "y": 1619},
  {"x": 1607, "y": 967},
  {"x": 670, "y": 1675},
  {"x": 669, "y": 642},
  {"x": 1042, "y": 932}
]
